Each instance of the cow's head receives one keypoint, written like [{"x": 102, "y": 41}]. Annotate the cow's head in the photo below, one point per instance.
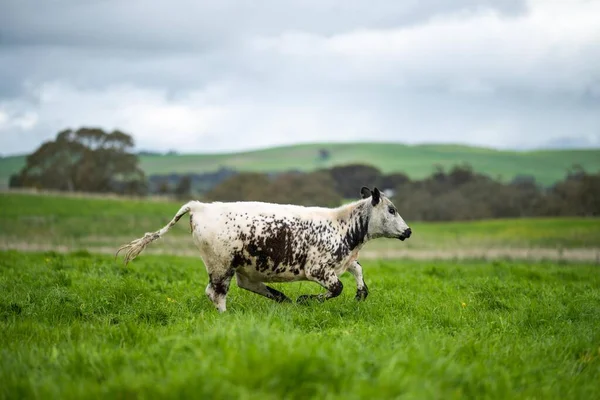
[{"x": 384, "y": 220}]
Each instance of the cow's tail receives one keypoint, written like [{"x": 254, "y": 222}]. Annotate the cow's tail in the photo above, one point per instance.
[{"x": 135, "y": 247}]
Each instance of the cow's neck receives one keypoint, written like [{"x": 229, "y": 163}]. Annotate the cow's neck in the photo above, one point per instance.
[{"x": 354, "y": 221}]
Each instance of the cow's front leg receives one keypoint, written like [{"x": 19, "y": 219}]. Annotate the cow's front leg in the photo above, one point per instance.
[
  {"x": 362, "y": 291},
  {"x": 327, "y": 278}
]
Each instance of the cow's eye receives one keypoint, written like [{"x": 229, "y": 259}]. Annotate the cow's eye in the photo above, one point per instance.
[{"x": 392, "y": 210}]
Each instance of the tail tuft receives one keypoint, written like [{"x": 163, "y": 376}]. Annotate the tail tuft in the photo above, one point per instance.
[{"x": 136, "y": 246}]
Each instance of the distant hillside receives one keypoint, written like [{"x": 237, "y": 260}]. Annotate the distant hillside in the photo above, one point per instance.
[{"x": 547, "y": 166}]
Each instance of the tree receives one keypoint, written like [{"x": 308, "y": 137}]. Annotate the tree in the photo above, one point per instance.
[
  {"x": 312, "y": 189},
  {"x": 87, "y": 160},
  {"x": 461, "y": 174},
  {"x": 163, "y": 187},
  {"x": 15, "y": 181},
  {"x": 245, "y": 186},
  {"x": 578, "y": 194},
  {"x": 184, "y": 187},
  {"x": 393, "y": 181},
  {"x": 350, "y": 178}
]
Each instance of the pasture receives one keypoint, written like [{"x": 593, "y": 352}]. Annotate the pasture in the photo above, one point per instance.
[
  {"x": 75, "y": 323},
  {"x": 81, "y": 326}
]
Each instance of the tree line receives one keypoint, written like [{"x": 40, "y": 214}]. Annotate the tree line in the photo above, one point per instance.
[
  {"x": 457, "y": 194},
  {"x": 91, "y": 160}
]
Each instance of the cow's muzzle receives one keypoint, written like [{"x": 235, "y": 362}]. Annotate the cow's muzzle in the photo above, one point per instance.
[{"x": 405, "y": 235}]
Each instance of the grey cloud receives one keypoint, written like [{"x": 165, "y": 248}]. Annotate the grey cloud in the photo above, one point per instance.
[
  {"x": 177, "y": 44},
  {"x": 183, "y": 57},
  {"x": 189, "y": 25}
]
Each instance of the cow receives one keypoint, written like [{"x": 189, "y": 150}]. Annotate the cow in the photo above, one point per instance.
[{"x": 264, "y": 242}]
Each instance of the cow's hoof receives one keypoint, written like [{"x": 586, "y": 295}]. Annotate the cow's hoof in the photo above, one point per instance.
[{"x": 361, "y": 294}]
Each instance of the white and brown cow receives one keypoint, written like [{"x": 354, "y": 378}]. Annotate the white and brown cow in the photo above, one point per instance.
[{"x": 263, "y": 242}]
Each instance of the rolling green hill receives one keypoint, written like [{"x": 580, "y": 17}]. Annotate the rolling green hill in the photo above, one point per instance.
[{"x": 417, "y": 161}]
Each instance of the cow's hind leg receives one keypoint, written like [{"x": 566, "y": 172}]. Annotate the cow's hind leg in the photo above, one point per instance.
[
  {"x": 260, "y": 288},
  {"x": 326, "y": 278},
  {"x": 218, "y": 287},
  {"x": 362, "y": 291}
]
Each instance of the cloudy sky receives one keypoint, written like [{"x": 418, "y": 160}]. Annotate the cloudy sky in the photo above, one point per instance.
[{"x": 207, "y": 76}]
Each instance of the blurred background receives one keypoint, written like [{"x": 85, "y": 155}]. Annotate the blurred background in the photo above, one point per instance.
[{"x": 470, "y": 110}]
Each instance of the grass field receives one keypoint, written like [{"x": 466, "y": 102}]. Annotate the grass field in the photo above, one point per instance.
[
  {"x": 75, "y": 323},
  {"x": 83, "y": 326},
  {"x": 548, "y": 166}
]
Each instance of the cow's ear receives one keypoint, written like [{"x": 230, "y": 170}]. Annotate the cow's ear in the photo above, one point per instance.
[
  {"x": 365, "y": 192},
  {"x": 376, "y": 196}
]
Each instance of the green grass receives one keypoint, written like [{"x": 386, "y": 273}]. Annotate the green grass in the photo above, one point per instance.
[
  {"x": 548, "y": 166},
  {"x": 25, "y": 215},
  {"x": 83, "y": 326},
  {"x": 88, "y": 223}
]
